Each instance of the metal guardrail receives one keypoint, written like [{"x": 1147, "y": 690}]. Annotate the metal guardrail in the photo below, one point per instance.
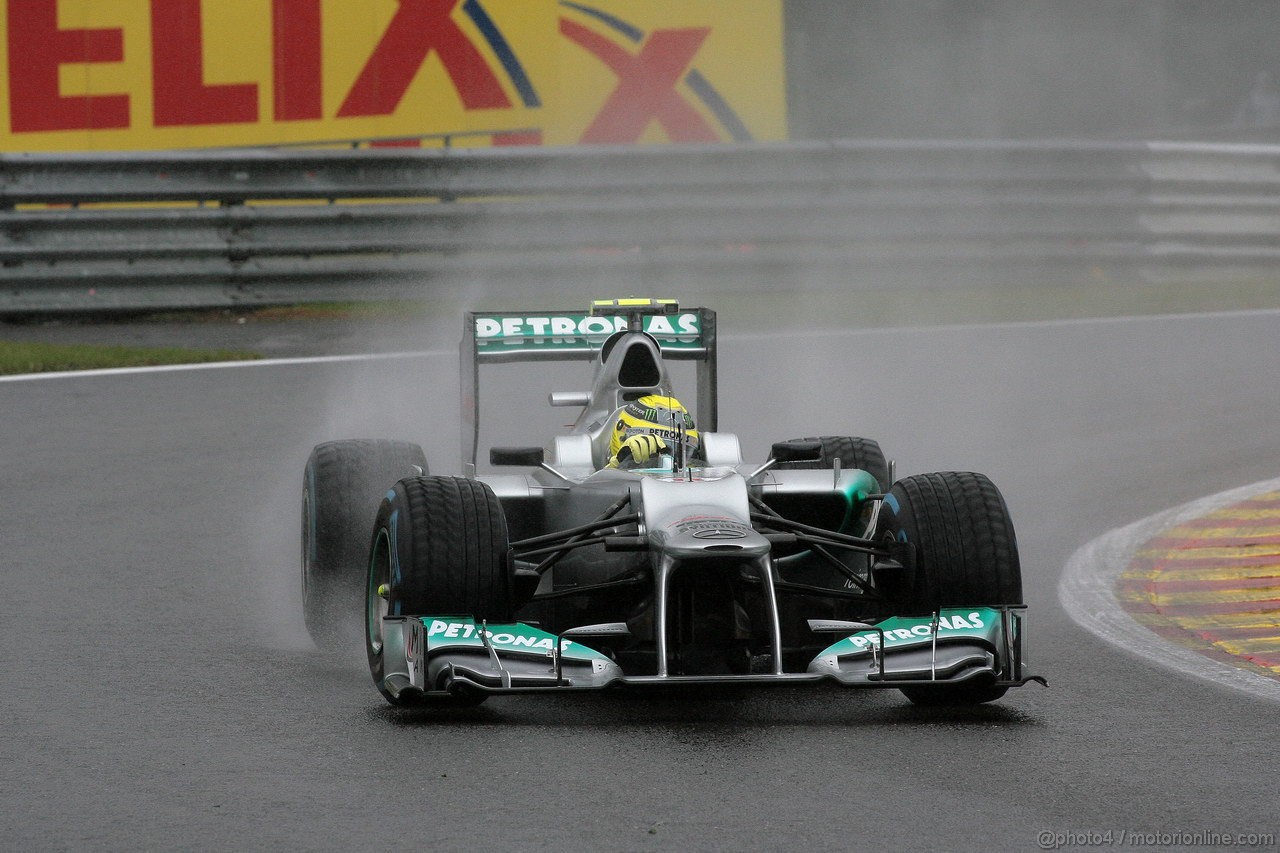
[{"x": 158, "y": 230}]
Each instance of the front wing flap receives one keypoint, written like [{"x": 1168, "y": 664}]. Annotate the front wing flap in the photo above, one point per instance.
[
  {"x": 955, "y": 644},
  {"x": 450, "y": 654},
  {"x": 442, "y": 654}
]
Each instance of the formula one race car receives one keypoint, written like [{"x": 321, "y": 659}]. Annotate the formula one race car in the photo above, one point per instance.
[{"x": 640, "y": 549}]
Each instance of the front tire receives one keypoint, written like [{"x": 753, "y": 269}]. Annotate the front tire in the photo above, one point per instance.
[
  {"x": 965, "y": 553},
  {"x": 342, "y": 484},
  {"x": 440, "y": 548}
]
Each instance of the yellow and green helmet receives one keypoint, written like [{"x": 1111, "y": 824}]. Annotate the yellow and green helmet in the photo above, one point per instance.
[{"x": 655, "y": 414}]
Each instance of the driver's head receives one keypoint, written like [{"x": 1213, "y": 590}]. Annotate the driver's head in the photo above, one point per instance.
[{"x": 657, "y": 415}]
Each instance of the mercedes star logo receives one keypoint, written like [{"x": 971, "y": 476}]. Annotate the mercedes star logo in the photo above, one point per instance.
[{"x": 719, "y": 533}]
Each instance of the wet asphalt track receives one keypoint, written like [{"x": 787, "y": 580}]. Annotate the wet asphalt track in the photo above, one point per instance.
[{"x": 158, "y": 690}]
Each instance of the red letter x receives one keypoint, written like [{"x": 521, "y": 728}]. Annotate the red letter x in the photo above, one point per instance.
[
  {"x": 420, "y": 26},
  {"x": 646, "y": 86}
]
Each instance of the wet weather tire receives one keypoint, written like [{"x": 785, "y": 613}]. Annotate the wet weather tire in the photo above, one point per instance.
[
  {"x": 862, "y": 453},
  {"x": 342, "y": 484},
  {"x": 965, "y": 554},
  {"x": 440, "y": 547}
]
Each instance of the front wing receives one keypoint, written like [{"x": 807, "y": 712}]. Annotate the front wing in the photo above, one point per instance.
[{"x": 442, "y": 655}]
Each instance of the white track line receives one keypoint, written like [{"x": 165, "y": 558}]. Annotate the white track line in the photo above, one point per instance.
[
  {"x": 217, "y": 365},
  {"x": 1087, "y": 592},
  {"x": 732, "y": 336},
  {"x": 1010, "y": 324}
]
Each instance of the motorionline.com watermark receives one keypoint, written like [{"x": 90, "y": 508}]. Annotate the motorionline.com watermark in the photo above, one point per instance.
[{"x": 1050, "y": 840}]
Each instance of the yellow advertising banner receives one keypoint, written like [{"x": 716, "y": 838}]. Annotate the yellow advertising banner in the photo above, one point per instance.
[{"x": 98, "y": 75}]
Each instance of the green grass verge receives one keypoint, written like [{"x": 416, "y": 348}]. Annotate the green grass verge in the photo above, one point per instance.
[
  {"x": 388, "y": 310},
  {"x": 44, "y": 358},
  {"x": 745, "y": 310}
]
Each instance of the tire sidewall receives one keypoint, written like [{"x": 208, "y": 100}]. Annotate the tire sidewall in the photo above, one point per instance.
[
  {"x": 919, "y": 514},
  {"x": 383, "y": 554},
  {"x": 925, "y": 514},
  {"x": 404, "y": 553},
  {"x": 342, "y": 484}
]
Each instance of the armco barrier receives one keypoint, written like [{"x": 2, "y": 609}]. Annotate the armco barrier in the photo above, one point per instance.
[{"x": 157, "y": 230}]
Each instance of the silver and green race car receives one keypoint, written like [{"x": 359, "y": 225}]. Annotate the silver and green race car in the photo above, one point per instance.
[{"x": 569, "y": 573}]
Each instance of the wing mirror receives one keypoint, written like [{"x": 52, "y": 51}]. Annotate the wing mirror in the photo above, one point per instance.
[
  {"x": 796, "y": 451},
  {"x": 530, "y": 457},
  {"x": 566, "y": 399}
]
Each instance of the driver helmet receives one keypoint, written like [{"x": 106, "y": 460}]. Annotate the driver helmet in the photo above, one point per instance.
[{"x": 658, "y": 415}]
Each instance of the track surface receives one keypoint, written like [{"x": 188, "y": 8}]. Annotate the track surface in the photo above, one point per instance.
[{"x": 158, "y": 690}]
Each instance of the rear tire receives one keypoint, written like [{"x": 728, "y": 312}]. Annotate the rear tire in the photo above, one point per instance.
[
  {"x": 342, "y": 484},
  {"x": 440, "y": 546},
  {"x": 965, "y": 554},
  {"x": 853, "y": 452}
]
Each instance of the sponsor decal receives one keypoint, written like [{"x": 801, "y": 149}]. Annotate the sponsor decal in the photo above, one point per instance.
[
  {"x": 671, "y": 435},
  {"x": 694, "y": 521},
  {"x": 898, "y": 631},
  {"x": 579, "y": 330},
  {"x": 445, "y": 632},
  {"x": 710, "y": 527},
  {"x": 173, "y": 73},
  {"x": 650, "y": 414},
  {"x": 703, "y": 527},
  {"x": 414, "y": 650},
  {"x": 412, "y": 639},
  {"x": 155, "y": 74},
  {"x": 657, "y": 80}
]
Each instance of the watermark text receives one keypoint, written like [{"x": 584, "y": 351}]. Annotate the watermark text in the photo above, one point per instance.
[{"x": 1048, "y": 839}]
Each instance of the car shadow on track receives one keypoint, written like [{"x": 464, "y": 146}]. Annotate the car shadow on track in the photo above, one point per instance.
[{"x": 737, "y": 708}]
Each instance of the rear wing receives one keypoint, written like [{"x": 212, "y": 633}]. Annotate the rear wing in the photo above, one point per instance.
[{"x": 500, "y": 337}]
